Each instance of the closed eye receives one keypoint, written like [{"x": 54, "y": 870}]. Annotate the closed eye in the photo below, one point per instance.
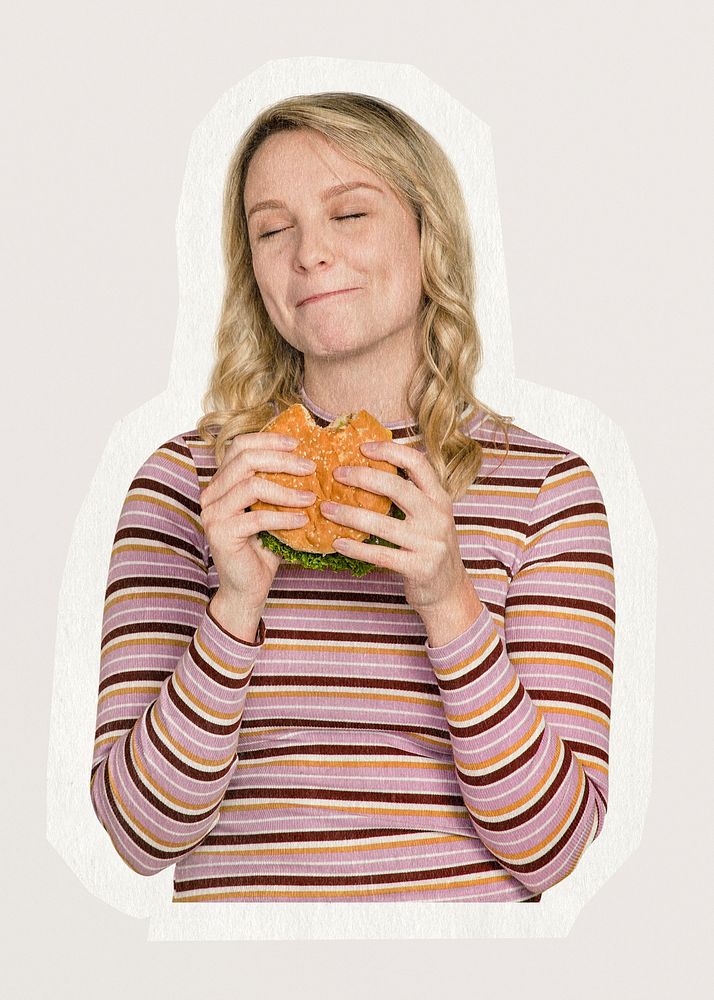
[{"x": 338, "y": 218}]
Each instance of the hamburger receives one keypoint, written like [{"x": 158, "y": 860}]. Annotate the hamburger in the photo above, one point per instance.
[{"x": 310, "y": 545}]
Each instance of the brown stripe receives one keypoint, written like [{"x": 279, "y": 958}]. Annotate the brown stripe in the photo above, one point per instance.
[
  {"x": 334, "y": 681},
  {"x": 176, "y": 583},
  {"x": 121, "y": 725},
  {"x": 156, "y": 486},
  {"x": 206, "y": 726},
  {"x": 504, "y": 825},
  {"x": 194, "y": 819},
  {"x": 210, "y": 777},
  {"x": 588, "y": 748},
  {"x": 476, "y": 671},
  {"x": 153, "y": 852},
  {"x": 574, "y": 556},
  {"x": 349, "y": 637},
  {"x": 578, "y": 603},
  {"x": 137, "y": 628},
  {"x": 570, "y": 698},
  {"x": 319, "y": 594},
  {"x": 560, "y": 844},
  {"x": 526, "y": 482},
  {"x": 128, "y": 676},
  {"x": 178, "y": 448},
  {"x": 372, "y": 878},
  {"x": 299, "y": 836},
  {"x": 158, "y": 536},
  {"x": 575, "y": 462},
  {"x": 564, "y": 513},
  {"x": 493, "y": 777},
  {"x": 233, "y": 682},
  {"x": 338, "y": 795},
  {"x": 568, "y": 648}
]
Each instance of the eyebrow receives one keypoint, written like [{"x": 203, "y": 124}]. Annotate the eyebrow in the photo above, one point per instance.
[{"x": 330, "y": 192}]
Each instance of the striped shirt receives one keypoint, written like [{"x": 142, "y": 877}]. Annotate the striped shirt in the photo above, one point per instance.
[{"x": 340, "y": 756}]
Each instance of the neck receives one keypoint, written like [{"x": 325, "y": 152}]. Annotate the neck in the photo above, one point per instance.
[{"x": 377, "y": 383}]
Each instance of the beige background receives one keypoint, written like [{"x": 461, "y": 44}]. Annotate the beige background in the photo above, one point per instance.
[
  {"x": 563, "y": 418},
  {"x": 597, "y": 119}
]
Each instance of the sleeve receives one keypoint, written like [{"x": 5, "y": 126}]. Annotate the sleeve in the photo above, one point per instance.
[
  {"x": 528, "y": 705},
  {"x": 172, "y": 681}
]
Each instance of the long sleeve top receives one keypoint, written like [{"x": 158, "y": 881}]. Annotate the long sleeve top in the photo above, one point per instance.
[{"x": 339, "y": 756}]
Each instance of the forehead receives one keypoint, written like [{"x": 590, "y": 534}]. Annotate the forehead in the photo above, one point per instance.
[{"x": 305, "y": 155}]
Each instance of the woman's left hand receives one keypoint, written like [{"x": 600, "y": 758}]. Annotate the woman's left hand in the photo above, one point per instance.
[{"x": 428, "y": 556}]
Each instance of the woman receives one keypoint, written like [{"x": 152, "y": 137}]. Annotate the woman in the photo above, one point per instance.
[{"x": 437, "y": 729}]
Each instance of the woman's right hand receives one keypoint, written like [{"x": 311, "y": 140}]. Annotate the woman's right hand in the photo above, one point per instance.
[{"x": 246, "y": 569}]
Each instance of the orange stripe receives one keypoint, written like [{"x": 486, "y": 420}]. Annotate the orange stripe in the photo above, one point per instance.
[
  {"x": 332, "y": 805},
  {"x": 489, "y": 762},
  {"x": 329, "y": 849},
  {"x": 502, "y": 697},
  {"x": 133, "y": 497},
  {"x": 255, "y": 693},
  {"x": 205, "y": 762},
  {"x": 472, "y": 658},
  {"x": 556, "y": 567},
  {"x": 273, "y": 762},
  {"x": 564, "y": 710},
  {"x": 147, "y": 640},
  {"x": 521, "y": 856},
  {"x": 567, "y": 615},
  {"x": 138, "y": 827},
  {"x": 545, "y": 659},
  {"x": 155, "y": 595},
  {"x": 530, "y": 796},
  {"x": 148, "y": 688},
  {"x": 343, "y": 891},
  {"x": 187, "y": 807}
]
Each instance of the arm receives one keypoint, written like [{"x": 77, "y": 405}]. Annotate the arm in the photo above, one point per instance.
[
  {"x": 528, "y": 705},
  {"x": 172, "y": 681}
]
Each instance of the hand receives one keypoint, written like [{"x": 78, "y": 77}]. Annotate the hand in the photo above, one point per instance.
[
  {"x": 428, "y": 556},
  {"x": 246, "y": 569}
]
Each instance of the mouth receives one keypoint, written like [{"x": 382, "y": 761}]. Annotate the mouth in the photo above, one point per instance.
[{"x": 325, "y": 295}]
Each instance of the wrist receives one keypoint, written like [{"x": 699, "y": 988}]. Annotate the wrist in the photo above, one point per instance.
[
  {"x": 238, "y": 620},
  {"x": 448, "y": 618}
]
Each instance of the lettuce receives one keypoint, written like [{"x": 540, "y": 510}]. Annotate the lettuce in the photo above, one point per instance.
[{"x": 331, "y": 560}]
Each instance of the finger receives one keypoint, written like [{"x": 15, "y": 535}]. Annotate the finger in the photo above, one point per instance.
[
  {"x": 391, "y": 529},
  {"x": 415, "y": 463},
  {"x": 258, "y": 441},
  {"x": 245, "y": 464},
  {"x": 251, "y": 522},
  {"x": 256, "y": 489},
  {"x": 402, "y": 492},
  {"x": 394, "y": 560}
]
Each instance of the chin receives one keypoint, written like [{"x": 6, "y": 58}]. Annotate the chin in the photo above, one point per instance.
[{"x": 328, "y": 342}]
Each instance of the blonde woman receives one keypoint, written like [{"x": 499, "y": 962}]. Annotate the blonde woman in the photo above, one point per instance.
[{"x": 436, "y": 729}]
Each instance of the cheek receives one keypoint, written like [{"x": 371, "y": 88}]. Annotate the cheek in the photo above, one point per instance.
[
  {"x": 402, "y": 266},
  {"x": 267, "y": 277}
]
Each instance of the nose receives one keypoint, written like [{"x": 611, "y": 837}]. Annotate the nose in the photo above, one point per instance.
[{"x": 313, "y": 249}]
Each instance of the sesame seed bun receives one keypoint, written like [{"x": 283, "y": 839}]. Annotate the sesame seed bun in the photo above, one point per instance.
[{"x": 331, "y": 446}]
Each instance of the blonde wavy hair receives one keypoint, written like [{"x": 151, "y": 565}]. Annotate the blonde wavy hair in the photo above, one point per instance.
[{"x": 255, "y": 367}]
